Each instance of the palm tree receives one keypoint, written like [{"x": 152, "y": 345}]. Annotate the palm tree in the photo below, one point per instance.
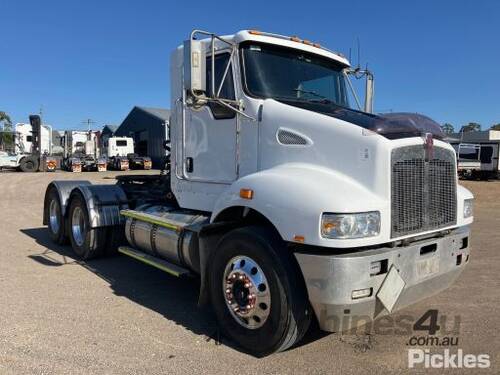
[
  {"x": 4, "y": 117},
  {"x": 447, "y": 128},
  {"x": 6, "y": 137}
]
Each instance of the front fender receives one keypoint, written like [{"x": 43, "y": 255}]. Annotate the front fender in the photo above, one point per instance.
[{"x": 293, "y": 197}]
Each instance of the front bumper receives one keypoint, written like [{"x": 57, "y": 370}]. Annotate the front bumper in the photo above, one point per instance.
[{"x": 331, "y": 279}]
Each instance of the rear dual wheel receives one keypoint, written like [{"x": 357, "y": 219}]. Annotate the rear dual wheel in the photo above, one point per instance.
[
  {"x": 257, "y": 291},
  {"x": 29, "y": 164},
  {"x": 87, "y": 242},
  {"x": 55, "y": 219}
]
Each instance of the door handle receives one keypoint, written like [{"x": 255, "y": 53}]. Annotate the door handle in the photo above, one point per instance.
[{"x": 189, "y": 165}]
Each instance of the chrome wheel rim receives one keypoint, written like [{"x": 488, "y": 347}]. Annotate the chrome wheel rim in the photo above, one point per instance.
[
  {"x": 54, "y": 214},
  {"x": 78, "y": 226},
  {"x": 246, "y": 292}
]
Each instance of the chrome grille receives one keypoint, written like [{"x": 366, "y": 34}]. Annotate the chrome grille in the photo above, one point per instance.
[{"x": 423, "y": 192}]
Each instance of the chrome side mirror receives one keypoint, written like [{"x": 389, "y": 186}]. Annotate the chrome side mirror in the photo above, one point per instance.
[{"x": 194, "y": 67}]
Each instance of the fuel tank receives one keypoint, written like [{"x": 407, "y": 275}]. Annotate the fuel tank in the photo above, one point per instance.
[{"x": 176, "y": 246}]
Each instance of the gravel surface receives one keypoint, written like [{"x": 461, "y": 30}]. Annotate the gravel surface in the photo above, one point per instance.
[{"x": 118, "y": 316}]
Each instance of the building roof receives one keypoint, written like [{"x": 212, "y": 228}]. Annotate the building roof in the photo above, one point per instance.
[
  {"x": 111, "y": 128},
  {"x": 478, "y": 136},
  {"x": 161, "y": 113}
]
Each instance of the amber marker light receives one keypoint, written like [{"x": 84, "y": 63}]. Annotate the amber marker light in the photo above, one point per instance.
[
  {"x": 298, "y": 238},
  {"x": 246, "y": 193}
]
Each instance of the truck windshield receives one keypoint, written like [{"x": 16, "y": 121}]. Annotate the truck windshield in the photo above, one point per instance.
[{"x": 292, "y": 75}]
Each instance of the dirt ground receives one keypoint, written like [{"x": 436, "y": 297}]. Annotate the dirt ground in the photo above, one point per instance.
[{"x": 118, "y": 316}]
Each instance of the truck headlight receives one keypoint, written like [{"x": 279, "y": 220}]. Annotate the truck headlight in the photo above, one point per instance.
[
  {"x": 468, "y": 208},
  {"x": 343, "y": 226}
]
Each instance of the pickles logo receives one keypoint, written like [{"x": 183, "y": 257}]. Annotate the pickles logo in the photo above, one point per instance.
[{"x": 447, "y": 359}]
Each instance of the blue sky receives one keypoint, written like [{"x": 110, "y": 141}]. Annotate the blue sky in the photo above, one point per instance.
[{"x": 97, "y": 59}]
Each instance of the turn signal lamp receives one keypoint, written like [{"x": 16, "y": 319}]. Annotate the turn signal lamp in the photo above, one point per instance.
[
  {"x": 298, "y": 238},
  {"x": 246, "y": 193}
]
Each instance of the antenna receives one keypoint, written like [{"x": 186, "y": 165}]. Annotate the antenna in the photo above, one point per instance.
[
  {"x": 359, "y": 52},
  {"x": 88, "y": 122}
]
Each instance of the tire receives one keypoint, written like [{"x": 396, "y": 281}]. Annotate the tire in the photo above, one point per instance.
[
  {"x": 87, "y": 243},
  {"x": 115, "y": 238},
  {"x": 288, "y": 310},
  {"x": 57, "y": 223},
  {"x": 29, "y": 164}
]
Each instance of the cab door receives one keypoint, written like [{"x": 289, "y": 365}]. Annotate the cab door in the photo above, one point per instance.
[{"x": 210, "y": 131}]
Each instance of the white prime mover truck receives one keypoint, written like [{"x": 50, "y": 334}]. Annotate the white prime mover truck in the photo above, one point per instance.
[
  {"x": 31, "y": 147},
  {"x": 25, "y": 140},
  {"x": 119, "y": 152},
  {"x": 81, "y": 151},
  {"x": 286, "y": 202}
]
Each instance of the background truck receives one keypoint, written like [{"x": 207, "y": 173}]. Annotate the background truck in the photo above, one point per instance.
[
  {"x": 30, "y": 147},
  {"x": 286, "y": 202},
  {"x": 478, "y": 146},
  {"x": 81, "y": 151},
  {"x": 25, "y": 140},
  {"x": 119, "y": 152},
  {"x": 468, "y": 160}
]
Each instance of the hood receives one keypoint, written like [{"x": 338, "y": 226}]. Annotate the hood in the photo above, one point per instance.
[{"x": 390, "y": 125}]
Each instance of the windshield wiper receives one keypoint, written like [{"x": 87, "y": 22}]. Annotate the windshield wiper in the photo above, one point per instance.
[{"x": 314, "y": 93}]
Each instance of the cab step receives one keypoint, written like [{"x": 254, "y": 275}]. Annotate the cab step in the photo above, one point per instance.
[{"x": 161, "y": 264}]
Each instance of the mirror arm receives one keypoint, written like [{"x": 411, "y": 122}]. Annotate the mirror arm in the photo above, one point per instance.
[
  {"x": 351, "y": 87},
  {"x": 223, "y": 103}
]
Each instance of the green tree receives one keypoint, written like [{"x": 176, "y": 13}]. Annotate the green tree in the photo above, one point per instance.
[
  {"x": 495, "y": 127},
  {"x": 5, "y": 119},
  {"x": 470, "y": 127},
  {"x": 447, "y": 128},
  {"x": 6, "y": 136}
]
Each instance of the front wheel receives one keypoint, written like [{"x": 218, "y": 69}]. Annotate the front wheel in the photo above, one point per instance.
[
  {"x": 257, "y": 291},
  {"x": 29, "y": 164}
]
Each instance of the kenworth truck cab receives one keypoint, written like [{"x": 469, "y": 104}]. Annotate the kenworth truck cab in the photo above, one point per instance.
[{"x": 286, "y": 202}]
